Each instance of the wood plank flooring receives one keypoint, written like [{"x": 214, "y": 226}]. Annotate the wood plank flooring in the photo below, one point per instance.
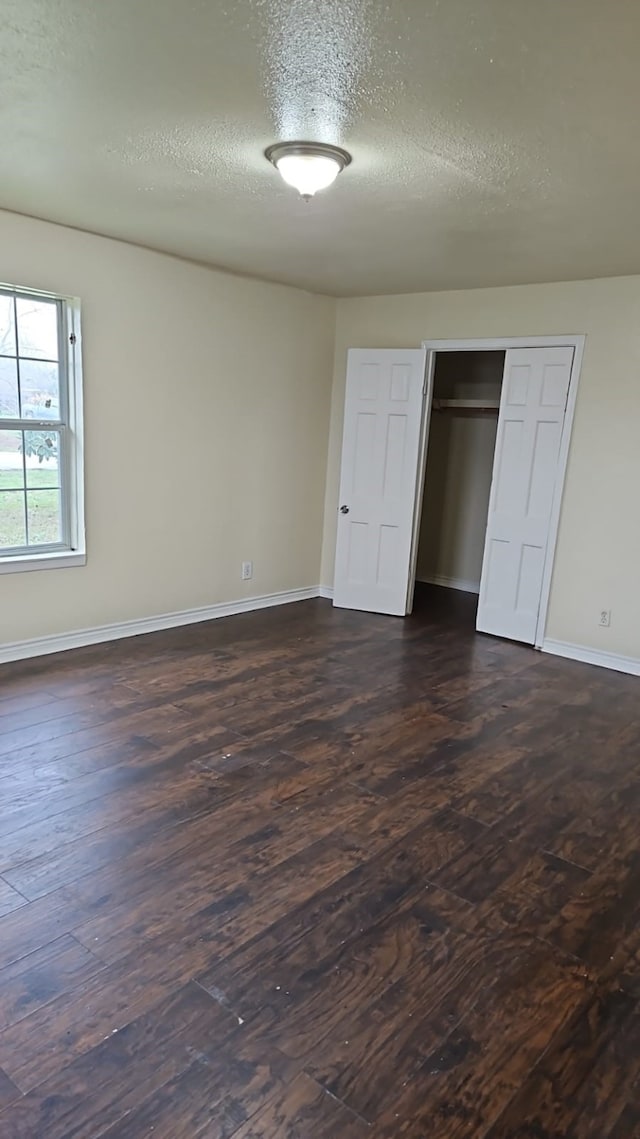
[{"x": 312, "y": 874}]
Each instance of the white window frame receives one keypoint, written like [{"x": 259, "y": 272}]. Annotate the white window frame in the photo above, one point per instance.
[{"x": 72, "y": 552}]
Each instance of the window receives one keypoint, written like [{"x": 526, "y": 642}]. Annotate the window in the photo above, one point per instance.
[{"x": 41, "y": 499}]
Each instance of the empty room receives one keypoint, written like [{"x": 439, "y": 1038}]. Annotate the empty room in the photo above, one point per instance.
[{"x": 319, "y": 569}]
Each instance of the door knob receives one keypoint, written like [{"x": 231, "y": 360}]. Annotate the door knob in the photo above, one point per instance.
[{"x": 344, "y": 509}]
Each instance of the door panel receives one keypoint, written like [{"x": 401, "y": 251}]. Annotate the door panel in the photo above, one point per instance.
[
  {"x": 381, "y": 443},
  {"x": 530, "y": 423}
]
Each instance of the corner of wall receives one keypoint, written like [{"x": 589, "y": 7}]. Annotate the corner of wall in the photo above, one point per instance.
[{"x": 332, "y": 467}]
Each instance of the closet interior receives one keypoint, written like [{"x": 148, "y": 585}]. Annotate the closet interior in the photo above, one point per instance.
[{"x": 460, "y": 452}]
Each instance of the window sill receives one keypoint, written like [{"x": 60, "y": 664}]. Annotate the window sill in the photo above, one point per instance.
[{"x": 60, "y": 559}]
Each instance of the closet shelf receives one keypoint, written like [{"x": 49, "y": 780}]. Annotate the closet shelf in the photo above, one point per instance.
[{"x": 469, "y": 404}]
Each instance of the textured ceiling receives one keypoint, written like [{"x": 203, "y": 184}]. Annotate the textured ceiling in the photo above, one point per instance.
[{"x": 493, "y": 141}]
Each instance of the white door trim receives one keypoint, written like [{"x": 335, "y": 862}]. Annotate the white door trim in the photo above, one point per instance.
[
  {"x": 493, "y": 344},
  {"x": 502, "y": 343},
  {"x": 427, "y": 402}
]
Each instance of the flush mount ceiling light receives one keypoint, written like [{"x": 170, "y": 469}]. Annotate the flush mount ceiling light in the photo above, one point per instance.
[{"x": 308, "y": 166}]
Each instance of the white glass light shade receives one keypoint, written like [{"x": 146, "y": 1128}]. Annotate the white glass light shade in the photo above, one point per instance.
[
  {"x": 308, "y": 173},
  {"x": 308, "y": 166}
]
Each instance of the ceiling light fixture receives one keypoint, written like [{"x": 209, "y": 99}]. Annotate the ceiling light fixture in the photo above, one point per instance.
[{"x": 308, "y": 166}]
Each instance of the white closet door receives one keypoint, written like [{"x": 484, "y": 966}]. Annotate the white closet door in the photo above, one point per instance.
[
  {"x": 380, "y": 450},
  {"x": 532, "y": 409}
]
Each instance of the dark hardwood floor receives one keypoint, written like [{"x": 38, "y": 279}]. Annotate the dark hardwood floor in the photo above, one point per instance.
[{"x": 318, "y": 874}]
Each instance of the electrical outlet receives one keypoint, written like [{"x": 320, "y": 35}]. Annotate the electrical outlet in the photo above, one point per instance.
[
  {"x": 247, "y": 571},
  {"x": 605, "y": 618}
]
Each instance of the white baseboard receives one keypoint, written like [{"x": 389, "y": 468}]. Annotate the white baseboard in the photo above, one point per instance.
[
  {"x": 452, "y": 583},
  {"x": 592, "y": 656},
  {"x": 40, "y": 646}
]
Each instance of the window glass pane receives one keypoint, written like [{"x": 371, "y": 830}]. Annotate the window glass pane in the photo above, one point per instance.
[
  {"x": 9, "y": 406},
  {"x": 46, "y": 473},
  {"x": 12, "y": 524},
  {"x": 7, "y": 327},
  {"x": 12, "y": 499},
  {"x": 43, "y": 513},
  {"x": 37, "y": 328},
  {"x": 39, "y": 389},
  {"x": 11, "y": 465},
  {"x": 41, "y": 448}
]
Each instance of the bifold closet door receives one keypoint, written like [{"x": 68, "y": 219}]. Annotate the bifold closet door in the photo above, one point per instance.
[
  {"x": 532, "y": 409},
  {"x": 380, "y": 452}
]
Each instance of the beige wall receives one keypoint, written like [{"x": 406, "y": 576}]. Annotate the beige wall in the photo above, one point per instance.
[
  {"x": 598, "y": 552},
  {"x": 206, "y": 412},
  {"x": 456, "y": 496}
]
